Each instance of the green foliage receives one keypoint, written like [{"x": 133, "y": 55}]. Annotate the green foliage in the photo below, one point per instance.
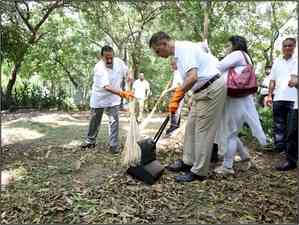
[
  {"x": 66, "y": 52},
  {"x": 267, "y": 122},
  {"x": 34, "y": 96},
  {"x": 13, "y": 42}
]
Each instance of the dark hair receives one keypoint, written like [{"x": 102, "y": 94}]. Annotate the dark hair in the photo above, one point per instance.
[
  {"x": 238, "y": 43},
  {"x": 158, "y": 37},
  {"x": 106, "y": 48},
  {"x": 290, "y": 39}
]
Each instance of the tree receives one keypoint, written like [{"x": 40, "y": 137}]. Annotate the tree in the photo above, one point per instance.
[
  {"x": 266, "y": 26},
  {"x": 130, "y": 20},
  {"x": 24, "y": 20}
]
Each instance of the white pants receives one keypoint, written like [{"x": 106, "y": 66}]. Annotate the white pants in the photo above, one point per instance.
[{"x": 234, "y": 145}]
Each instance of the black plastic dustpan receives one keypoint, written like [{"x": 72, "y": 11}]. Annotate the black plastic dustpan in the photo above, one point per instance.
[{"x": 149, "y": 169}]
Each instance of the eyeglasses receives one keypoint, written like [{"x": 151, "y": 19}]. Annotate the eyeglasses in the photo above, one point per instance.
[{"x": 288, "y": 46}]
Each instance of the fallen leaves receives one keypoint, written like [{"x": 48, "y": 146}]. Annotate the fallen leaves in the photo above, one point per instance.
[{"x": 62, "y": 185}]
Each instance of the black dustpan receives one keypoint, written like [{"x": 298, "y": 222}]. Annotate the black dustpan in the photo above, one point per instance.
[{"x": 149, "y": 169}]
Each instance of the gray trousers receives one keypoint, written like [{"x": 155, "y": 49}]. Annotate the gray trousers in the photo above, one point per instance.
[{"x": 95, "y": 122}]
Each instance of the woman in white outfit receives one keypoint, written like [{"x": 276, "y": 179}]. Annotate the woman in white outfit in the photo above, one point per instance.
[{"x": 237, "y": 111}]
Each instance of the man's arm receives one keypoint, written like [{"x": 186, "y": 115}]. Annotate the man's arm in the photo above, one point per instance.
[
  {"x": 123, "y": 94},
  {"x": 112, "y": 90},
  {"x": 271, "y": 87},
  {"x": 268, "y": 99},
  {"x": 190, "y": 80},
  {"x": 147, "y": 89}
]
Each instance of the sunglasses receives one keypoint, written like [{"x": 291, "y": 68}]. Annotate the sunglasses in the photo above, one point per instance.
[{"x": 288, "y": 46}]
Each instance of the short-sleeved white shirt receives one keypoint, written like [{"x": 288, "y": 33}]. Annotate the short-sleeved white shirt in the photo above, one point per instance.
[
  {"x": 190, "y": 55},
  {"x": 177, "y": 79},
  {"x": 280, "y": 72},
  {"x": 140, "y": 88},
  {"x": 101, "y": 98}
]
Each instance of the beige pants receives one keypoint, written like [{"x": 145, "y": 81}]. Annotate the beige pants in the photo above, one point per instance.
[
  {"x": 140, "y": 109},
  {"x": 203, "y": 120}
]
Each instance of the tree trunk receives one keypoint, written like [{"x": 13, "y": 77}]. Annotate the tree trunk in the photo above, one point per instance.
[
  {"x": 135, "y": 65},
  {"x": 68, "y": 73},
  {"x": 32, "y": 40},
  {"x": 12, "y": 81},
  {"x": 206, "y": 20}
]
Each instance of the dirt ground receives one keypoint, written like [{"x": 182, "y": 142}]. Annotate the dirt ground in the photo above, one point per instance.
[{"x": 51, "y": 180}]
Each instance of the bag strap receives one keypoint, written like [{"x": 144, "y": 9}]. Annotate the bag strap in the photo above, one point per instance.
[{"x": 245, "y": 58}]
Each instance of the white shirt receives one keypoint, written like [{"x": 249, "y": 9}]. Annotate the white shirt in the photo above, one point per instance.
[
  {"x": 190, "y": 55},
  {"x": 140, "y": 88},
  {"x": 101, "y": 98},
  {"x": 177, "y": 79},
  {"x": 236, "y": 60},
  {"x": 294, "y": 71},
  {"x": 280, "y": 72}
]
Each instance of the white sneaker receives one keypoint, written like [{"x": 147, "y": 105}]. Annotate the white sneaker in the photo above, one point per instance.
[{"x": 224, "y": 171}]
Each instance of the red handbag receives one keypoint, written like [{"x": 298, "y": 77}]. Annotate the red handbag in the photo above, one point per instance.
[{"x": 243, "y": 84}]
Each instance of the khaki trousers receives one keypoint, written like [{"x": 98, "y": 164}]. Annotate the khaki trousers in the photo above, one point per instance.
[
  {"x": 140, "y": 109},
  {"x": 203, "y": 120}
]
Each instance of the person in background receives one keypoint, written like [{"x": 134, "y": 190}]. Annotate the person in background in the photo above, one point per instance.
[
  {"x": 141, "y": 89},
  {"x": 176, "y": 82},
  {"x": 284, "y": 96},
  {"x": 292, "y": 130},
  {"x": 105, "y": 97},
  {"x": 237, "y": 110},
  {"x": 200, "y": 74},
  {"x": 264, "y": 87}
]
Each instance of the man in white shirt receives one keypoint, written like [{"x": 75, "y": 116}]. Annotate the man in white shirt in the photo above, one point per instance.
[
  {"x": 200, "y": 74},
  {"x": 264, "y": 87},
  {"x": 292, "y": 132},
  {"x": 141, "y": 89},
  {"x": 105, "y": 97},
  {"x": 284, "y": 96}
]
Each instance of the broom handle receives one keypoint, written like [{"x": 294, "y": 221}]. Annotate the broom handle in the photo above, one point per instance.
[{"x": 160, "y": 131}]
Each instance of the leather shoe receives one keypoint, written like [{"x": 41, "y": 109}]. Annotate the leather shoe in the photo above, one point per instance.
[
  {"x": 88, "y": 145},
  {"x": 178, "y": 166},
  {"x": 189, "y": 177},
  {"x": 286, "y": 166}
]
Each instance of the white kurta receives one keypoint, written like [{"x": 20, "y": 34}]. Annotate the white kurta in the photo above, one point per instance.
[
  {"x": 237, "y": 111},
  {"x": 100, "y": 97}
]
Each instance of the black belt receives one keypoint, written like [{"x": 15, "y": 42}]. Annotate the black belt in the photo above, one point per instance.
[{"x": 207, "y": 84}]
